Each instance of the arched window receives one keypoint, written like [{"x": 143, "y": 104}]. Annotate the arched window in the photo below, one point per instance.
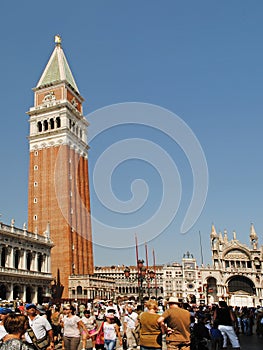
[
  {"x": 28, "y": 260},
  {"x": 28, "y": 295},
  {"x": 16, "y": 292},
  {"x": 17, "y": 258},
  {"x": 39, "y": 126},
  {"x": 39, "y": 262},
  {"x": 58, "y": 122},
  {"x": 45, "y": 125},
  {"x": 3, "y": 256},
  {"x": 3, "y": 295},
  {"x": 79, "y": 290},
  {"x": 52, "y": 124},
  {"x": 40, "y": 295}
]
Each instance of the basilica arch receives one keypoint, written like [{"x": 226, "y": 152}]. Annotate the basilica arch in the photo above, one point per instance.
[{"x": 241, "y": 290}]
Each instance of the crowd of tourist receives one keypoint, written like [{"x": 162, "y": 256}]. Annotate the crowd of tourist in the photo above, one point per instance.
[{"x": 105, "y": 325}]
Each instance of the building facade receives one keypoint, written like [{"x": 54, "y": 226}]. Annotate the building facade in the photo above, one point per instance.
[
  {"x": 151, "y": 286},
  {"x": 172, "y": 280},
  {"x": 25, "y": 264},
  {"x": 235, "y": 275},
  {"x": 236, "y": 271},
  {"x": 58, "y": 183},
  {"x": 109, "y": 282},
  {"x": 183, "y": 280},
  {"x": 91, "y": 287}
]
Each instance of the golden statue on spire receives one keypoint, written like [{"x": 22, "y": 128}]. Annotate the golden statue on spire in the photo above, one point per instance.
[{"x": 58, "y": 39}]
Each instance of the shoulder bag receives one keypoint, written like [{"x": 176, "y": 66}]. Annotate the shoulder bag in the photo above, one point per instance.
[
  {"x": 39, "y": 344},
  {"x": 100, "y": 336}
]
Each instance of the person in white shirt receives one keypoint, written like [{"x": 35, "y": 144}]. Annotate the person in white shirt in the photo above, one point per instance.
[
  {"x": 40, "y": 326},
  {"x": 3, "y": 313},
  {"x": 90, "y": 322},
  {"x": 111, "y": 332},
  {"x": 72, "y": 324},
  {"x": 129, "y": 323}
]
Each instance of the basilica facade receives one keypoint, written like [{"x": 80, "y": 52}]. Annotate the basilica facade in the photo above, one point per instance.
[{"x": 236, "y": 271}]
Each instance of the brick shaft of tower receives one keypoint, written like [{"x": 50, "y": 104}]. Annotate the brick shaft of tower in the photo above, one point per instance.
[{"x": 58, "y": 183}]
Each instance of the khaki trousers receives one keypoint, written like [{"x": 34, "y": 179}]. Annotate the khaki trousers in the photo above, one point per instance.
[
  {"x": 175, "y": 346},
  {"x": 130, "y": 339}
]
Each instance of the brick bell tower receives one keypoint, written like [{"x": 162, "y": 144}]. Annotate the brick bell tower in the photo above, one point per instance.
[{"x": 58, "y": 184}]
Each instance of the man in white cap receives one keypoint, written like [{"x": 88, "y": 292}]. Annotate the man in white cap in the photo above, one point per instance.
[{"x": 176, "y": 323}]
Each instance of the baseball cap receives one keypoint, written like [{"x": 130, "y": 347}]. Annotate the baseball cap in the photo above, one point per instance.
[
  {"x": 31, "y": 306},
  {"x": 5, "y": 310}
]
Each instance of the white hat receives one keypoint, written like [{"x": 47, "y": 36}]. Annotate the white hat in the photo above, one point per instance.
[{"x": 173, "y": 300}]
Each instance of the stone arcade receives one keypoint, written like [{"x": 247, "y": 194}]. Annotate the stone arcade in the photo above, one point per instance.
[{"x": 25, "y": 271}]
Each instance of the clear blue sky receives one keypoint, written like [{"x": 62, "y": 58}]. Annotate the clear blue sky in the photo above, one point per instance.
[{"x": 202, "y": 60}]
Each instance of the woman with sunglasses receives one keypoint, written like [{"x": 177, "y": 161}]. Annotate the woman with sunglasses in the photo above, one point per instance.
[{"x": 72, "y": 324}]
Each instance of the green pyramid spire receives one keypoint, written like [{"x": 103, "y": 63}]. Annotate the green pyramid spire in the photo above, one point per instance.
[{"x": 57, "y": 68}]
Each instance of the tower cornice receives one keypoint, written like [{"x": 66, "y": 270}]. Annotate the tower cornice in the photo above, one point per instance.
[
  {"x": 44, "y": 141},
  {"x": 57, "y": 106}
]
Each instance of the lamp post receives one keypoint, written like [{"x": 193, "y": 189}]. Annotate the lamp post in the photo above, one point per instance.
[
  {"x": 56, "y": 288},
  {"x": 142, "y": 275}
]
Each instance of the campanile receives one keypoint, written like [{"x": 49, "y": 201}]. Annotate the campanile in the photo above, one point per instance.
[{"x": 58, "y": 183}]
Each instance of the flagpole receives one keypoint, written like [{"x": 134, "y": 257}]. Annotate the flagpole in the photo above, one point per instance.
[
  {"x": 201, "y": 248},
  {"x": 147, "y": 269},
  {"x": 155, "y": 276},
  {"x": 137, "y": 258}
]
